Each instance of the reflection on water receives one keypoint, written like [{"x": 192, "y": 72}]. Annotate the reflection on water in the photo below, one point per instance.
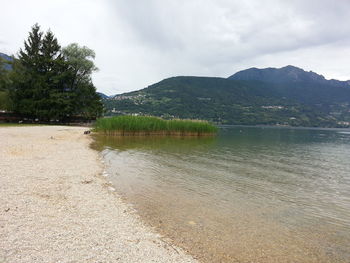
[
  {"x": 249, "y": 195},
  {"x": 125, "y": 143}
]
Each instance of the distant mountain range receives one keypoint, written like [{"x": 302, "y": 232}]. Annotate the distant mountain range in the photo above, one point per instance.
[
  {"x": 288, "y": 74},
  {"x": 102, "y": 95},
  {"x": 294, "y": 83},
  {"x": 271, "y": 96},
  {"x": 7, "y": 58}
]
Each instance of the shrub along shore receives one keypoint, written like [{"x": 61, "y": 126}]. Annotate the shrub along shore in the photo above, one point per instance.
[{"x": 147, "y": 125}]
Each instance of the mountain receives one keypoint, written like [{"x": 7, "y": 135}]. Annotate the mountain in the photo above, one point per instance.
[
  {"x": 286, "y": 74},
  {"x": 295, "y": 83},
  {"x": 6, "y": 58},
  {"x": 288, "y": 96},
  {"x": 102, "y": 95}
]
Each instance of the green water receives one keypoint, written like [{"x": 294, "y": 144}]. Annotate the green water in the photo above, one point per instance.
[{"x": 251, "y": 194}]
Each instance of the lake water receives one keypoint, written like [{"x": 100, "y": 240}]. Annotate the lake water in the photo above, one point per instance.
[{"x": 251, "y": 194}]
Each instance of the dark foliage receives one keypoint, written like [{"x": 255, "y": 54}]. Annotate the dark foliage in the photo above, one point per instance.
[{"x": 42, "y": 82}]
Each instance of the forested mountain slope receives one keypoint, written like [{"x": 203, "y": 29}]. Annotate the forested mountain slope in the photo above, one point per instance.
[{"x": 287, "y": 96}]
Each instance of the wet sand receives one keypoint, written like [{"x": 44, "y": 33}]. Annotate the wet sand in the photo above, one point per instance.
[{"x": 56, "y": 205}]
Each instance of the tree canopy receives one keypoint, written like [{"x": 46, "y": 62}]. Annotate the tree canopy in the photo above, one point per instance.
[
  {"x": 5, "y": 102},
  {"x": 4, "y": 76},
  {"x": 51, "y": 83}
]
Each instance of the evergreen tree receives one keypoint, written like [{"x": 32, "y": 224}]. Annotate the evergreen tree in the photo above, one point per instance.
[
  {"x": 56, "y": 98},
  {"x": 50, "y": 86},
  {"x": 4, "y": 79},
  {"x": 30, "y": 57},
  {"x": 28, "y": 89}
]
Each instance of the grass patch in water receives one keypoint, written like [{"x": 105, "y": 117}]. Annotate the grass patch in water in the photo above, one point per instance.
[{"x": 148, "y": 125}]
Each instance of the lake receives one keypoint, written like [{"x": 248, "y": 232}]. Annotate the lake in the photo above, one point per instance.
[{"x": 250, "y": 194}]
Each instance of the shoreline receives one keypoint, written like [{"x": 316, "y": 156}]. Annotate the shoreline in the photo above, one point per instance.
[
  {"x": 284, "y": 127},
  {"x": 58, "y": 207}
]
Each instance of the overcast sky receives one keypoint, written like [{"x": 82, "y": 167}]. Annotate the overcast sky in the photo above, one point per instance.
[{"x": 140, "y": 42}]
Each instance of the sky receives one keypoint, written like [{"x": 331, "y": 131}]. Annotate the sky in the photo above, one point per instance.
[{"x": 140, "y": 42}]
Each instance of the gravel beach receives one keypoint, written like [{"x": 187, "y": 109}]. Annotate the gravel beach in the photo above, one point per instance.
[{"x": 57, "y": 207}]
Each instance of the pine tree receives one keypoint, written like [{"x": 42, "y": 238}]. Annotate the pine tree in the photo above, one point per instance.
[
  {"x": 57, "y": 100},
  {"x": 3, "y": 75},
  {"x": 30, "y": 57},
  {"x": 50, "y": 86},
  {"x": 27, "y": 81},
  {"x": 40, "y": 77}
]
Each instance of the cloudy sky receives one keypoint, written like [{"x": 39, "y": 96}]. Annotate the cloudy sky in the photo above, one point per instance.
[{"x": 140, "y": 42}]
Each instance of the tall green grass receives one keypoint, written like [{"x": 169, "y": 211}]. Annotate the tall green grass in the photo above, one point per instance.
[{"x": 144, "y": 125}]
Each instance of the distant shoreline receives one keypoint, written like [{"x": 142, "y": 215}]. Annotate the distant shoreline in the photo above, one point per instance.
[{"x": 284, "y": 127}]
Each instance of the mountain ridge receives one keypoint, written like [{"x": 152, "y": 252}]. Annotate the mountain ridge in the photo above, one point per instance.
[
  {"x": 285, "y": 96},
  {"x": 284, "y": 74},
  {"x": 6, "y": 58}
]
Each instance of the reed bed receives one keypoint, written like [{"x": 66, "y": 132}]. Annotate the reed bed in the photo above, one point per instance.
[{"x": 148, "y": 125}]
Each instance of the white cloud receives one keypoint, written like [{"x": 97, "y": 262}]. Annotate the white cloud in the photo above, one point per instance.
[{"x": 141, "y": 42}]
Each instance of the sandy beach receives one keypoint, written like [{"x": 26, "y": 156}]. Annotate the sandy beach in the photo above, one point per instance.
[{"x": 56, "y": 206}]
